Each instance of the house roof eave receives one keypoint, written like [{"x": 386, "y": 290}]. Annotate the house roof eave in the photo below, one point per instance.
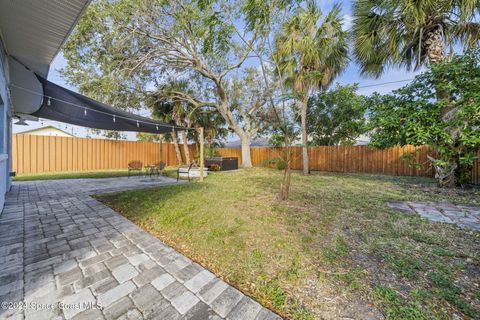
[{"x": 34, "y": 32}]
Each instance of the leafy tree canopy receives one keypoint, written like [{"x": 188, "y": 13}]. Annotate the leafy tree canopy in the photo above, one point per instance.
[
  {"x": 149, "y": 137},
  {"x": 124, "y": 50},
  {"x": 414, "y": 115},
  {"x": 336, "y": 116}
]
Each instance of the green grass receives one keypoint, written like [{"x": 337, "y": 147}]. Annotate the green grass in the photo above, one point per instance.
[
  {"x": 334, "y": 238},
  {"x": 397, "y": 307},
  {"x": 72, "y": 175},
  {"x": 83, "y": 174}
]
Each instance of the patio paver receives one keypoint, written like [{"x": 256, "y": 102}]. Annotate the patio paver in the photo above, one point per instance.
[
  {"x": 462, "y": 215},
  {"x": 63, "y": 255}
]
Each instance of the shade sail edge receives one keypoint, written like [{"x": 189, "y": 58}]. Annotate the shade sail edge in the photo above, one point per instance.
[{"x": 64, "y": 105}]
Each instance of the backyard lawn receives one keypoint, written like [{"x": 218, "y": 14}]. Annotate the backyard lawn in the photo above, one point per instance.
[
  {"x": 93, "y": 174},
  {"x": 73, "y": 175},
  {"x": 333, "y": 250}
]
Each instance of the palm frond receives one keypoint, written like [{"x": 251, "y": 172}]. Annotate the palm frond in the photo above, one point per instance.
[
  {"x": 468, "y": 33},
  {"x": 312, "y": 50},
  {"x": 392, "y": 32}
]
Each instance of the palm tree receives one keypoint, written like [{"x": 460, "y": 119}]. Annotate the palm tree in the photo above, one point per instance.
[
  {"x": 215, "y": 129},
  {"x": 310, "y": 54},
  {"x": 411, "y": 33},
  {"x": 214, "y": 125},
  {"x": 181, "y": 116},
  {"x": 163, "y": 110},
  {"x": 182, "y": 111},
  {"x": 176, "y": 111}
]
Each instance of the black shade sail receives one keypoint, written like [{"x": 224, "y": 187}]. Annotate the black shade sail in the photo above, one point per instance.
[{"x": 61, "y": 104}]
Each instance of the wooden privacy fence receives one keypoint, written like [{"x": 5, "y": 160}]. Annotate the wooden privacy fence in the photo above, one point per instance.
[
  {"x": 32, "y": 154},
  {"x": 346, "y": 159},
  {"x": 353, "y": 159}
]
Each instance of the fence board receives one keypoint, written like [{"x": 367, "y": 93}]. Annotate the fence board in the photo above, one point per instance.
[
  {"x": 348, "y": 159},
  {"x": 32, "y": 154}
]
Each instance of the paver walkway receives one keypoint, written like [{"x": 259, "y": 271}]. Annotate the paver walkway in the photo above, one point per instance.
[
  {"x": 64, "y": 255},
  {"x": 464, "y": 216}
]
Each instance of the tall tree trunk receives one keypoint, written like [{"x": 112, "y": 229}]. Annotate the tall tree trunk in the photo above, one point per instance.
[
  {"x": 287, "y": 172},
  {"x": 185, "y": 147},
  {"x": 160, "y": 141},
  {"x": 447, "y": 175},
  {"x": 435, "y": 46},
  {"x": 177, "y": 148},
  {"x": 246, "y": 156},
  {"x": 306, "y": 169},
  {"x": 244, "y": 136}
]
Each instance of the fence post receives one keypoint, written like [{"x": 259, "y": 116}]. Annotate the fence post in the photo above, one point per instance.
[{"x": 201, "y": 154}]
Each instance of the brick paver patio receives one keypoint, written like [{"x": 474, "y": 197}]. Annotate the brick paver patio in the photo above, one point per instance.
[
  {"x": 64, "y": 255},
  {"x": 461, "y": 215}
]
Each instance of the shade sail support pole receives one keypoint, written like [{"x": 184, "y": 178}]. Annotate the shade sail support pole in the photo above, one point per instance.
[{"x": 201, "y": 154}]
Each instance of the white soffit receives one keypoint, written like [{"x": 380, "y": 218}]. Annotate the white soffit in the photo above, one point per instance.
[
  {"x": 35, "y": 30},
  {"x": 26, "y": 90}
]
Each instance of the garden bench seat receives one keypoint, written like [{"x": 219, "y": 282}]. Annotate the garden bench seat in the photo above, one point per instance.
[
  {"x": 186, "y": 170},
  {"x": 193, "y": 170}
]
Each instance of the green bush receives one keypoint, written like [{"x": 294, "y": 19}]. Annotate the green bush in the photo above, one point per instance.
[{"x": 277, "y": 162}]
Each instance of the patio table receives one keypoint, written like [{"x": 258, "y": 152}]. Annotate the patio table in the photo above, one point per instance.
[{"x": 150, "y": 170}]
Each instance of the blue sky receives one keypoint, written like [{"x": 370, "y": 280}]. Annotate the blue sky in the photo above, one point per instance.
[{"x": 350, "y": 76}]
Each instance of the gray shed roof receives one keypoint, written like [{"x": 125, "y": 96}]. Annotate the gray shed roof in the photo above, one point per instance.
[{"x": 34, "y": 31}]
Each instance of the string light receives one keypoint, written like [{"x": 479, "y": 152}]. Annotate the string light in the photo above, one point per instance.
[{"x": 94, "y": 110}]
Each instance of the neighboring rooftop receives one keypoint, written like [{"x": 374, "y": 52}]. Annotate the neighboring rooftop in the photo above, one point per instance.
[
  {"x": 260, "y": 142},
  {"x": 47, "y": 131},
  {"x": 362, "y": 140}
]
